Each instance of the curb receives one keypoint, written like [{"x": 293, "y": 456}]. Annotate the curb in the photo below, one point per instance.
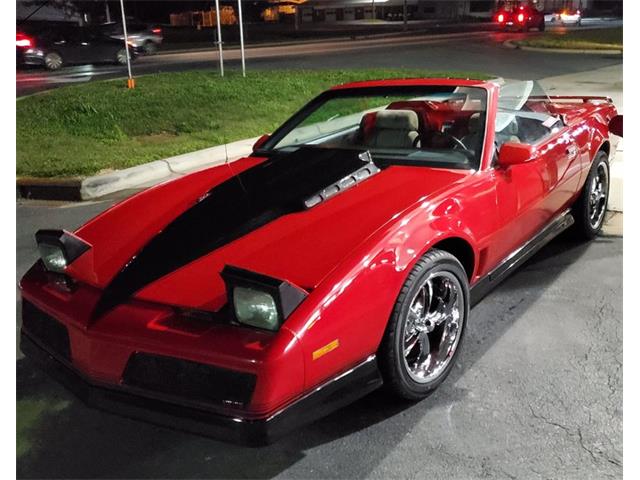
[
  {"x": 49, "y": 189},
  {"x": 516, "y": 46},
  {"x": 138, "y": 177}
]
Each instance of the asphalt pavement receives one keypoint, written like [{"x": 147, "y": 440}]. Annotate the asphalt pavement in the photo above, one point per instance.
[
  {"x": 536, "y": 393},
  {"x": 462, "y": 51}
]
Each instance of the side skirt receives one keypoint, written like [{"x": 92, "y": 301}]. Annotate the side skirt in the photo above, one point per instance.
[{"x": 487, "y": 283}]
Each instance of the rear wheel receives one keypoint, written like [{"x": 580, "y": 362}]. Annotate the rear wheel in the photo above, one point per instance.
[
  {"x": 149, "y": 47},
  {"x": 426, "y": 327},
  {"x": 53, "y": 61},
  {"x": 590, "y": 208}
]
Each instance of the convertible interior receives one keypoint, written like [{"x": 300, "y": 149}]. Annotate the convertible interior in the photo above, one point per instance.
[{"x": 418, "y": 129}]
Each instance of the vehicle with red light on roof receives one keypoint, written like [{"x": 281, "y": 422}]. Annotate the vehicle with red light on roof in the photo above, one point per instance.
[{"x": 519, "y": 15}]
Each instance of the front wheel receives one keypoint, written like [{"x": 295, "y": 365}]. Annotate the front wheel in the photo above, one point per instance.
[
  {"x": 590, "y": 208},
  {"x": 425, "y": 330}
]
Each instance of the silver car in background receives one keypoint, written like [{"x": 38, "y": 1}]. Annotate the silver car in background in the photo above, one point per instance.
[{"x": 145, "y": 39}]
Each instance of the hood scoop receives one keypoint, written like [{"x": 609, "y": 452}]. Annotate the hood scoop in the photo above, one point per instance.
[
  {"x": 285, "y": 183},
  {"x": 368, "y": 170}
]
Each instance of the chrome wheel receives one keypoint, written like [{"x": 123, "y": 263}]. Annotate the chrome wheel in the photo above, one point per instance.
[
  {"x": 121, "y": 56},
  {"x": 53, "y": 61},
  {"x": 598, "y": 193},
  {"x": 433, "y": 326}
]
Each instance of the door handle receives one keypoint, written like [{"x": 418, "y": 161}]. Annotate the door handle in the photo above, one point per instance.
[{"x": 572, "y": 152}]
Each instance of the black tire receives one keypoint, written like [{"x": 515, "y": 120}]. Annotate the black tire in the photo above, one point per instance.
[
  {"x": 586, "y": 227},
  {"x": 53, "y": 61},
  {"x": 396, "y": 372},
  {"x": 542, "y": 26}
]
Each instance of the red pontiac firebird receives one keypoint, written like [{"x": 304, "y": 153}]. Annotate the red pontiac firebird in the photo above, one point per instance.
[{"x": 344, "y": 253}]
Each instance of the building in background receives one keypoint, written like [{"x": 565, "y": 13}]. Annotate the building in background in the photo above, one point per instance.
[{"x": 201, "y": 13}]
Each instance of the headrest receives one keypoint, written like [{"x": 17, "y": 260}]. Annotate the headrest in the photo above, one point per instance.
[
  {"x": 397, "y": 120},
  {"x": 474, "y": 124}
]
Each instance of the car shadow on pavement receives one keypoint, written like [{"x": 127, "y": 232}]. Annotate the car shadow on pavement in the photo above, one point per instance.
[{"x": 66, "y": 439}]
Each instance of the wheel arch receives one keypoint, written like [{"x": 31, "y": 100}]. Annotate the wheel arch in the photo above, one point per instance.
[
  {"x": 605, "y": 147},
  {"x": 462, "y": 250}
]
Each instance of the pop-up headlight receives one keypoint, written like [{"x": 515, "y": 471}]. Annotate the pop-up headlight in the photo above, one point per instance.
[
  {"x": 59, "y": 248},
  {"x": 259, "y": 300}
]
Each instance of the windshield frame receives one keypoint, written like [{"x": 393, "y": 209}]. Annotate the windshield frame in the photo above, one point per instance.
[{"x": 283, "y": 130}]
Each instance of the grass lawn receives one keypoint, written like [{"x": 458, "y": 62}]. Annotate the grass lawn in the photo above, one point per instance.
[
  {"x": 596, "y": 39},
  {"x": 85, "y": 129}
]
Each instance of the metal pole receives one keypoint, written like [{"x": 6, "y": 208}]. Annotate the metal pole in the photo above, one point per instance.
[
  {"x": 130, "y": 81},
  {"x": 107, "y": 11},
  {"x": 219, "y": 38},
  {"x": 244, "y": 71},
  {"x": 404, "y": 13}
]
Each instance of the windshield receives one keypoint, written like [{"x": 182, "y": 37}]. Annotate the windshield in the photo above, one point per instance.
[
  {"x": 429, "y": 124},
  {"x": 523, "y": 114}
]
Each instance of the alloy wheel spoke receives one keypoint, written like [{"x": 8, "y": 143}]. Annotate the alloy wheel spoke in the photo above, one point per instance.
[{"x": 432, "y": 326}]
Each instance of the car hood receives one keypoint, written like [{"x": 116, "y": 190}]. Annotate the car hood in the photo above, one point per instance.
[{"x": 293, "y": 217}]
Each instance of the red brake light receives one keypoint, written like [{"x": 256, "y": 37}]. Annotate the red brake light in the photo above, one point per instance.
[
  {"x": 501, "y": 18},
  {"x": 23, "y": 41},
  {"x": 521, "y": 17},
  {"x": 157, "y": 31}
]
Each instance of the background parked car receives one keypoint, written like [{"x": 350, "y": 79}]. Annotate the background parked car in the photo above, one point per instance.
[
  {"x": 519, "y": 15},
  {"x": 145, "y": 38},
  {"x": 55, "y": 47}
]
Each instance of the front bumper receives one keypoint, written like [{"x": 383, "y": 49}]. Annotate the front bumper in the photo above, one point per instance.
[{"x": 332, "y": 395}]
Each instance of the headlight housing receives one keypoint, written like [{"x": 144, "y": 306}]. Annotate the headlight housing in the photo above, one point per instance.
[
  {"x": 258, "y": 300},
  {"x": 59, "y": 248}
]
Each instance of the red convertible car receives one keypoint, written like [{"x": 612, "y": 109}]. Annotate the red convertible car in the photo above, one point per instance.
[{"x": 345, "y": 253}]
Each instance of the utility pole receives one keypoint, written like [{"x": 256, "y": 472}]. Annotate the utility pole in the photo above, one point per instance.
[
  {"x": 219, "y": 38},
  {"x": 244, "y": 71},
  {"x": 404, "y": 13},
  {"x": 131, "y": 83}
]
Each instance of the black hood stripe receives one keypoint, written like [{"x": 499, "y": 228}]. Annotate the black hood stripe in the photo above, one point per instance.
[{"x": 232, "y": 209}]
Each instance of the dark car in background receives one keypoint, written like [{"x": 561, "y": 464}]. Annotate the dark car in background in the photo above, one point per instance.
[
  {"x": 70, "y": 45},
  {"x": 144, "y": 38}
]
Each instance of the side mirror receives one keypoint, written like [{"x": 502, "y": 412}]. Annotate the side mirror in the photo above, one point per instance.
[
  {"x": 615, "y": 125},
  {"x": 512, "y": 153},
  {"x": 260, "y": 142}
]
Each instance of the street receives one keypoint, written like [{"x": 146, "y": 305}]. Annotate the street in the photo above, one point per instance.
[
  {"x": 461, "y": 51},
  {"x": 536, "y": 393}
]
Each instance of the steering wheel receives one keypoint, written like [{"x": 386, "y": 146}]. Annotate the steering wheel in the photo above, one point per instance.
[{"x": 459, "y": 143}]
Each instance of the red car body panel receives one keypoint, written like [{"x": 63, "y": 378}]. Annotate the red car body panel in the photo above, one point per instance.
[{"x": 350, "y": 253}]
